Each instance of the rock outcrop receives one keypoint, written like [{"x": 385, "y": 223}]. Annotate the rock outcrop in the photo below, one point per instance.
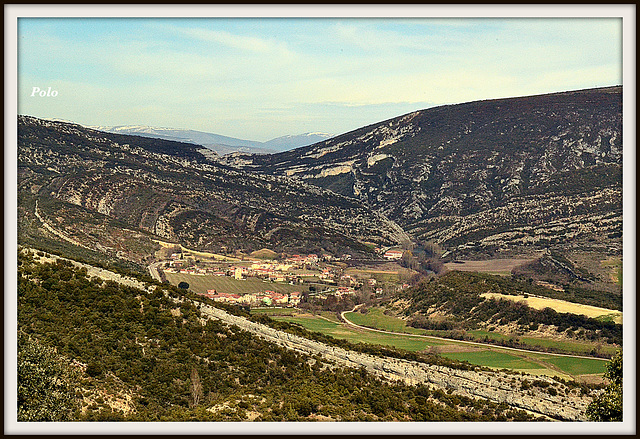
[{"x": 560, "y": 403}]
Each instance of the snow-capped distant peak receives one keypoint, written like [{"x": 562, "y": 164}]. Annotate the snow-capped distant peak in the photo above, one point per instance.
[
  {"x": 221, "y": 144},
  {"x": 295, "y": 141}
]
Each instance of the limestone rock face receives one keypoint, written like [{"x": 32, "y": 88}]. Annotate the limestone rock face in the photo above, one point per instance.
[
  {"x": 494, "y": 386},
  {"x": 478, "y": 173}
]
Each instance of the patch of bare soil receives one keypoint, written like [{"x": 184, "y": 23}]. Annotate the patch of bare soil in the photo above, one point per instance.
[
  {"x": 591, "y": 379},
  {"x": 489, "y": 265},
  {"x": 321, "y": 418}
]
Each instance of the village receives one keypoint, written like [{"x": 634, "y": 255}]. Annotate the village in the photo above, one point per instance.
[{"x": 310, "y": 275}]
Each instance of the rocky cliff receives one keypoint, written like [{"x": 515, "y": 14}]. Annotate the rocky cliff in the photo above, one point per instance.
[{"x": 565, "y": 404}]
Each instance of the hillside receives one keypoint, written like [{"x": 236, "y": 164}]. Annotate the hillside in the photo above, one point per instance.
[
  {"x": 469, "y": 301},
  {"x": 152, "y": 355},
  {"x": 113, "y": 194},
  {"x": 481, "y": 176}
]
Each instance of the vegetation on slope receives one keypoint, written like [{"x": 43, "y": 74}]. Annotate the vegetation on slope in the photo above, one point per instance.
[
  {"x": 457, "y": 296},
  {"x": 169, "y": 365},
  {"x": 608, "y": 406}
]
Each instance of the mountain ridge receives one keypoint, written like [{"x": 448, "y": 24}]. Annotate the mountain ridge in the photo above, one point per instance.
[
  {"x": 94, "y": 186},
  {"x": 221, "y": 144},
  {"x": 443, "y": 170}
]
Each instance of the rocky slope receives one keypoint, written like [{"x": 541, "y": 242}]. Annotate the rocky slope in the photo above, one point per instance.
[
  {"x": 561, "y": 403},
  {"x": 534, "y": 170},
  {"x": 86, "y": 179}
]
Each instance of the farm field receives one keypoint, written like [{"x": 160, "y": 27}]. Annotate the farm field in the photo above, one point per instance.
[
  {"x": 354, "y": 335},
  {"x": 573, "y": 347},
  {"x": 583, "y": 367},
  {"x": 501, "y": 267},
  {"x": 375, "y": 318},
  {"x": 561, "y": 306},
  {"x": 380, "y": 275},
  {"x": 540, "y": 364},
  {"x": 226, "y": 284}
]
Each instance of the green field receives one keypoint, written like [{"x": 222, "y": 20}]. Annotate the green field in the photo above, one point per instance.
[
  {"x": 495, "y": 357},
  {"x": 577, "y": 366},
  {"x": 226, "y": 284},
  {"x": 491, "y": 358},
  {"x": 414, "y": 344},
  {"x": 354, "y": 335},
  {"x": 375, "y": 318},
  {"x": 570, "y": 347}
]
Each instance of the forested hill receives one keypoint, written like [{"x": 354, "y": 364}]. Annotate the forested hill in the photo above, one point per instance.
[
  {"x": 460, "y": 300},
  {"x": 112, "y": 352},
  {"x": 534, "y": 170}
]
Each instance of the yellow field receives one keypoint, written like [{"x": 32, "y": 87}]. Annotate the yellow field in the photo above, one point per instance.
[{"x": 560, "y": 306}]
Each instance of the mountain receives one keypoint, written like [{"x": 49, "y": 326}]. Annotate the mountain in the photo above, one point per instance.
[
  {"x": 220, "y": 144},
  {"x": 286, "y": 143},
  {"x": 481, "y": 176},
  {"x": 116, "y": 194},
  {"x": 216, "y": 142}
]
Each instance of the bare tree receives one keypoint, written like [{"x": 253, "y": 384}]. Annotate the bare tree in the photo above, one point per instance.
[{"x": 196, "y": 388}]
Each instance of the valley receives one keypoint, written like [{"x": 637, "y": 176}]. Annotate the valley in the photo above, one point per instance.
[
  {"x": 464, "y": 381},
  {"x": 457, "y": 263}
]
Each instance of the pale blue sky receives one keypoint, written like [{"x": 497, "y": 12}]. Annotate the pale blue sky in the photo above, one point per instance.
[{"x": 267, "y": 77}]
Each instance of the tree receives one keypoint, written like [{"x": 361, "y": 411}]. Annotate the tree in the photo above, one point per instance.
[
  {"x": 196, "y": 388},
  {"x": 183, "y": 285},
  {"x": 45, "y": 383},
  {"x": 608, "y": 406}
]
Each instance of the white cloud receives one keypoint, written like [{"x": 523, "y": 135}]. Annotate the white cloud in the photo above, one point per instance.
[
  {"x": 235, "y": 41},
  {"x": 171, "y": 75}
]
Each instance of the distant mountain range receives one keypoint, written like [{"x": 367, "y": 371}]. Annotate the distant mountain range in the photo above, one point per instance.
[{"x": 220, "y": 144}]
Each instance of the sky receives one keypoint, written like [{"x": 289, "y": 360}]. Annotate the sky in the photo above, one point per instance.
[{"x": 261, "y": 78}]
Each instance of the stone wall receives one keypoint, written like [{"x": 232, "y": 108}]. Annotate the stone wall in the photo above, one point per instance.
[{"x": 496, "y": 386}]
